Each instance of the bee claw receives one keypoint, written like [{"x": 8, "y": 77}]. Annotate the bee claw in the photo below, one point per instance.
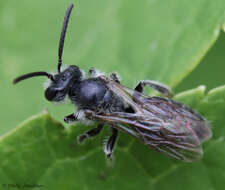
[
  {"x": 109, "y": 156},
  {"x": 81, "y": 138}
]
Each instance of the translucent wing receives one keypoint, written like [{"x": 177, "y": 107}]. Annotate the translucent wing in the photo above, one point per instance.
[{"x": 160, "y": 123}]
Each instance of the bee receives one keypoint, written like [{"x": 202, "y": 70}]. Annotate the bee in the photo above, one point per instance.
[{"x": 160, "y": 123}]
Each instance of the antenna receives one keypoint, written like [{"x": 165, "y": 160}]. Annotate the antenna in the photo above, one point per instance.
[
  {"x": 62, "y": 36},
  {"x": 34, "y": 74}
]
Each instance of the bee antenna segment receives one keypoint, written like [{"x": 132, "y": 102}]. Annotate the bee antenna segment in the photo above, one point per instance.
[
  {"x": 62, "y": 36},
  {"x": 34, "y": 74}
]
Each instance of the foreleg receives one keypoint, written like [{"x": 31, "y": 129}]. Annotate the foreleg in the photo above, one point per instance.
[{"x": 71, "y": 118}]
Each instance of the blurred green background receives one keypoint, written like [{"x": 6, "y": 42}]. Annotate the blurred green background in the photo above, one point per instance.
[{"x": 108, "y": 35}]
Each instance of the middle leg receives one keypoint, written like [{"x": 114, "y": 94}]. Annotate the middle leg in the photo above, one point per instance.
[
  {"x": 115, "y": 77},
  {"x": 109, "y": 147},
  {"x": 91, "y": 133}
]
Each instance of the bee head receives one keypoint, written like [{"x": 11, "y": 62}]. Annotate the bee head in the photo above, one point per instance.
[{"x": 60, "y": 82}]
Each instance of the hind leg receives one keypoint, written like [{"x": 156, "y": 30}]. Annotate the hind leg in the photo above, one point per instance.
[{"x": 163, "y": 89}]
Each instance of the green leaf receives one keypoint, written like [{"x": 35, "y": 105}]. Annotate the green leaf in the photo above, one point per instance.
[
  {"x": 210, "y": 71},
  {"x": 42, "y": 152},
  {"x": 160, "y": 40}
]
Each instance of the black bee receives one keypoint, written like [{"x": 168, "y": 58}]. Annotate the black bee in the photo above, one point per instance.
[{"x": 160, "y": 123}]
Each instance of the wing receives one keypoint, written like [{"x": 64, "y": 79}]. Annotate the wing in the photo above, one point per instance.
[{"x": 160, "y": 123}]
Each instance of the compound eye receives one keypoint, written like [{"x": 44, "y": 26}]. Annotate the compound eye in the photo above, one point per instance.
[{"x": 50, "y": 94}]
